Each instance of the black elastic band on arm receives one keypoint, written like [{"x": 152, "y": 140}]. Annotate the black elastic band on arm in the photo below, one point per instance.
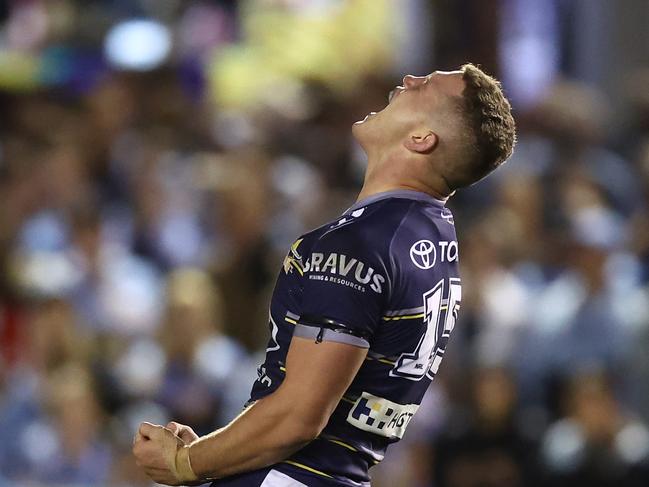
[{"x": 329, "y": 324}]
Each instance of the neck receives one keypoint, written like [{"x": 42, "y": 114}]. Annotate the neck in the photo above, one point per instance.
[{"x": 380, "y": 181}]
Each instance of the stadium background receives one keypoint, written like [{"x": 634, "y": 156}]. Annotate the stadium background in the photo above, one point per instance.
[{"x": 158, "y": 157}]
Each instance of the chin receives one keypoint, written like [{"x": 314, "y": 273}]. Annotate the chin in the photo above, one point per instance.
[
  {"x": 369, "y": 131},
  {"x": 361, "y": 127},
  {"x": 366, "y": 130},
  {"x": 359, "y": 132},
  {"x": 356, "y": 128}
]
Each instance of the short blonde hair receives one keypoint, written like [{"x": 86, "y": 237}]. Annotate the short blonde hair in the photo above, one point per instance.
[{"x": 490, "y": 128}]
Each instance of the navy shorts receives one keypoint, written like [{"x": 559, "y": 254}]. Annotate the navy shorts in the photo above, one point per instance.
[{"x": 276, "y": 476}]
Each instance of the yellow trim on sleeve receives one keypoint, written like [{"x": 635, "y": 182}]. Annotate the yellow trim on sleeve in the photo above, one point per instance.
[
  {"x": 305, "y": 467},
  {"x": 385, "y": 361},
  {"x": 382, "y": 360},
  {"x": 403, "y": 317},
  {"x": 343, "y": 444}
]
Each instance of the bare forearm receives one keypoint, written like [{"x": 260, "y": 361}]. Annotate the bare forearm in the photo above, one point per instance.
[
  {"x": 280, "y": 424},
  {"x": 266, "y": 433}
]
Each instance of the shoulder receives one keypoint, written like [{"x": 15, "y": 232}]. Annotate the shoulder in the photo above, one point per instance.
[
  {"x": 382, "y": 230},
  {"x": 425, "y": 239},
  {"x": 425, "y": 221},
  {"x": 372, "y": 226}
]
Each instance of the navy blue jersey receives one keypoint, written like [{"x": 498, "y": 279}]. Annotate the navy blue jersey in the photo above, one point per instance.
[{"x": 384, "y": 276}]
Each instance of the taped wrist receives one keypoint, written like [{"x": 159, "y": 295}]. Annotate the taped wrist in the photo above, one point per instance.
[{"x": 183, "y": 465}]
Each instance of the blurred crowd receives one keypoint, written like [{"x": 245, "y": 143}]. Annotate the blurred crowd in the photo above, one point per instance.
[{"x": 142, "y": 225}]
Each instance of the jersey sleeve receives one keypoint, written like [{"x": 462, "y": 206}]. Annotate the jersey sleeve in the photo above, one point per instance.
[{"x": 346, "y": 282}]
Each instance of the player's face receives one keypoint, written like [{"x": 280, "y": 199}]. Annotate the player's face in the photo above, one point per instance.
[{"x": 410, "y": 104}]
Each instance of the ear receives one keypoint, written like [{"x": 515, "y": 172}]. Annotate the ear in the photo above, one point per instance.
[{"x": 422, "y": 144}]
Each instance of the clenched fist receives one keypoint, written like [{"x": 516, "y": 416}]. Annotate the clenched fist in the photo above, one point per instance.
[{"x": 163, "y": 454}]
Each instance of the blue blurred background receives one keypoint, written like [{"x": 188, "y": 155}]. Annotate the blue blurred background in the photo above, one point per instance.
[{"x": 157, "y": 158}]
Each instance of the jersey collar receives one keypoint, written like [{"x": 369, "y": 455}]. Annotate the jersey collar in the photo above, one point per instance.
[{"x": 397, "y": 193}]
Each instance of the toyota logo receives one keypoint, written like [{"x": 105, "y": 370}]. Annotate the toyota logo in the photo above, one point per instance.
[{"x": 423, "y": 254}]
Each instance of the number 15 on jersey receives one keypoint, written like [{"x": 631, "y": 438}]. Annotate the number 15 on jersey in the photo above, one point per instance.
[{"x": 440, "y": 314}]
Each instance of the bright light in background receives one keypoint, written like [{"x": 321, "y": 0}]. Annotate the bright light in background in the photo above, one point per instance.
[
  {"x": 529, "y": 49},
  {"x": 139, "y": 45},
  {"x": 328, "y": 41}
]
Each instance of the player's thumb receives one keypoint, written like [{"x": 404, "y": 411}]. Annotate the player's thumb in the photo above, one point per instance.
[
  {"x": 184, "y": 432},
  {"x": 174, "y": 427},
  {"x": 147, "y": 430}
]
